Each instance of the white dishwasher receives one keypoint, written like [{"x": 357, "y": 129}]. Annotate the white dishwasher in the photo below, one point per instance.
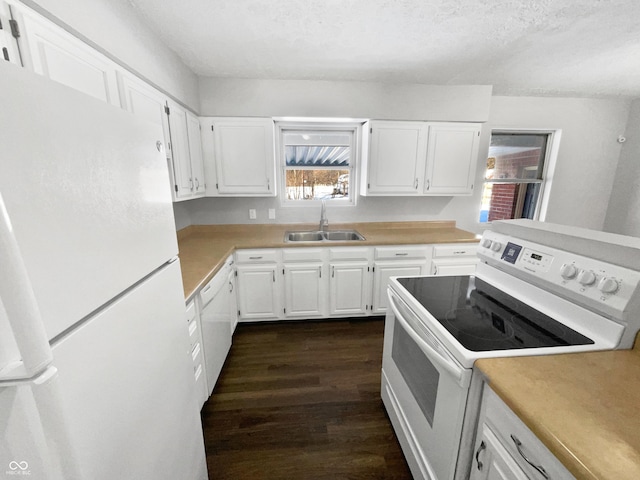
[{"x": 218, "y": 321}]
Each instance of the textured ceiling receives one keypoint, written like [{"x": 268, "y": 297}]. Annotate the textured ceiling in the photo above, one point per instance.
[{"x": 536, "y": 47}]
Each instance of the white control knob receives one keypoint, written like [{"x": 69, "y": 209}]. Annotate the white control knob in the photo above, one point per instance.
[
  {"x": 608, "y": 285},
  {"x": 496, "y": 246},
  {"x": 486, "y": 243},
  {"x": 568, "y": 271},
  {"x": 586, "y": 277}
]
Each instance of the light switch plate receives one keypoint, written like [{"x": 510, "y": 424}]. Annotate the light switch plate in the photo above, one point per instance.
[
  {"x": 272, "y": 214},
  {"x": 252, "y": 214}
]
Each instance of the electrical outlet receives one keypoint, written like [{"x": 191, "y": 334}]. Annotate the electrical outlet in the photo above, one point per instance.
[
  {"x": 272, "y": 214},
  {"x": 252, "y": 214}
]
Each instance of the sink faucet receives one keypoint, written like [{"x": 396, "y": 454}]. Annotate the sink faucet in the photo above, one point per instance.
[{"x": 324, "y": 222}]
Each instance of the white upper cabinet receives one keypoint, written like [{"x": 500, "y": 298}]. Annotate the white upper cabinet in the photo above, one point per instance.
[
  {"x": 8, "y": 43},
  {"x": 452, "y": 156},
  {"x": 146, "y": 102},
  {"x": 51, "y": 51},
  {"x": 396, "y": 157},
  {"x": 421, "y": 158},
  {"x": 186, "y": 152},
  {"x": 239, "y": 156}
]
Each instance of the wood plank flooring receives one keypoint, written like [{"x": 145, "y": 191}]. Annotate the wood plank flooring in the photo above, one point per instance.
[{"x": 301, "y": 400}]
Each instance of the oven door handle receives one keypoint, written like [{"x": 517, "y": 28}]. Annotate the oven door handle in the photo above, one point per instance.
[{"x": 460, "y": 374}]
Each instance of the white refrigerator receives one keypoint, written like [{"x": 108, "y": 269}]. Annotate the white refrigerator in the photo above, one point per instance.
[{"x": 96, "y": 381}]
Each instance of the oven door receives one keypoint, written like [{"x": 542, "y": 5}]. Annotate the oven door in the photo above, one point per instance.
[{"x": 424, "y": 390}]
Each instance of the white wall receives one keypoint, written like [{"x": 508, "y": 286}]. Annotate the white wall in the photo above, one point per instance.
[
  {"x": 623, "y": 214},
  {"x": 114, "y": 26},
  {"x": 588, "y": 154},
  {"x": 582, "y": 182},
  {"x": 273, "y": 98}
]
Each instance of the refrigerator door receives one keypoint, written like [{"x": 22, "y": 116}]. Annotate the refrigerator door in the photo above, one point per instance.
[
  {"x": 86, "y": 188},
  {"x": 126, "y": 392}
]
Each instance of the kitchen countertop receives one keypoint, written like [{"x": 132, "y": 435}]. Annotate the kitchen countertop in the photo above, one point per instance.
[
  {"x": 204, "y": 248},
  {"x": 585, "y": 407}
]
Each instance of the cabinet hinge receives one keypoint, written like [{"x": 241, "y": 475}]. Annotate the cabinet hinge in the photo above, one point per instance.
[
  {"x": 283, "y": 271},
  {"x": 368, "y": 269},
  {"x": 212, "y": 128},
  {"x": 176, "y": 188},
  {"x": 236, "y": 273},
  {"x": 238, "y": 312},
  {"x": 167, "y": 110},
  {"x": 366, "y": 307},
  {"x": 371, "y": 130},
  {"x": 5, "y": 54},
  {"x": 15, "y": 29},
  {"x": 373, "y": 269},
  {"x": 285, "y": 310},
  {"x": 217, "y": 188},
  {"x": 368, "y": 186}
]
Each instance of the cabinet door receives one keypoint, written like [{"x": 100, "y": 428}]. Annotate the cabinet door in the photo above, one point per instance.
[
  {"x": 381, "y": 274},
  {"x": 216, "y": 327},
  {"x": 146, "y": 102},
  {"x": 183, "y": 181},
  {"x": 244, "y": 156},
  {"x": 195, "y": 154},
  {"x": 51, "y": 51},
  {"x": 304, "y": 290},
  {"x": 233, "y": 300},
  {"x": 396, "y": 158},
  {"x": 349, "y": 288},
  {"x": 8, "y": 44},
  {"x": 258, "y": 292},
  {"x": 452, "y": 156},
  {"x": 492, "y": 461}
]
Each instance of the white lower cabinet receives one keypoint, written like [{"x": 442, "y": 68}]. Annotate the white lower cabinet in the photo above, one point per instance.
[
  {"x": 349, "y": 281},
  {"x": 505, "y": 449},
  {"x": 216, "y": 318},
  {"x": 396, "y": 261},
  {"x": 318, "y": 282},
  {"x": 259, "y": 289},
  {"x": 454, "y": 259},
  {"x": 196, "y": 352},
  {"x": 305, "y": 283}
]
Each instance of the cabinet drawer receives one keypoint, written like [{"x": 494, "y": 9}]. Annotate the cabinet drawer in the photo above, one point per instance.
[
  {"x": 401, "y": 252},
  {"x": 458, "y": 250},
  {"x": 192, "y": 312},
  {"x": 302, "y": 254},
  {"x": 349, "y": 253},
  {"x": 257, "y": 256},
  {"x": 510, "y": 429}
]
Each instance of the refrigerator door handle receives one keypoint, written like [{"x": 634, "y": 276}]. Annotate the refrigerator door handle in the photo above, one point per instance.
[{"x": 19, "y": 301}]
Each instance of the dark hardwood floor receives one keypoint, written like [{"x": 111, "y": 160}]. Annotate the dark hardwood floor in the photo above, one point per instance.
[{"x": 301, "y": 400}]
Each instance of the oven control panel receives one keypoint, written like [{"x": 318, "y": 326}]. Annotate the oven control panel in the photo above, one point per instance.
[{"x": 606, "y": 287}]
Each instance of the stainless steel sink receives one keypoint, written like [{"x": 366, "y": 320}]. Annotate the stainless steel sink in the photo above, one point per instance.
[
  {"x": 326, "y": 236},
  {"x": 343, "y": 236},
  {"x": 303, "y": 237}
]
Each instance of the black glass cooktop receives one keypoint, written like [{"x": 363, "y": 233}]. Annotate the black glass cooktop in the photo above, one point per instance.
[{"x": 484, "y": 318}]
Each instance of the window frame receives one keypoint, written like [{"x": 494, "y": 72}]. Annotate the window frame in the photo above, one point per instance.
[
  {"x": 350, "y": 126},
  {"x": 548, "y": 167}
]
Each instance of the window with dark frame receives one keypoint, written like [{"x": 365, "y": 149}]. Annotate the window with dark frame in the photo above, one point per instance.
[{"x": 514, "y": 175}]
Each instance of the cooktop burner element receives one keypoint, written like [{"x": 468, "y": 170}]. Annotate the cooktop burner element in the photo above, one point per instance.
[{"x": 484, "y": 318}]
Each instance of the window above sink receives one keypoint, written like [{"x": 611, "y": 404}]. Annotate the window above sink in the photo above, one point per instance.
[{"x": 318, "y": 162}]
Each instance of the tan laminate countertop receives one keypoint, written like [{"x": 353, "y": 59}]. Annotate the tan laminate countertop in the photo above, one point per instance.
[
  {"x": 585, "y": 407},
  {"x": 204, "y": 248}
]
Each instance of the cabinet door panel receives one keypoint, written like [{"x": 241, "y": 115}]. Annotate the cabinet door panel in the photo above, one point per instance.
[
  {"x": 58, "y": 55},
  {"x": 183, "y": 181},
  {"x": 304, "y": 290},
  {"x": 381, "y": 280},
  {"x": 195, "y": 154},
  {"x": 145, "y": 102},
  {"x": 349, "y": 286},
  {"x": 451, "y": 158},
  {"x": 258, "y": 295},
  {"x": 396, "y": 157},
  {"x": 244, "y": 156}
]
